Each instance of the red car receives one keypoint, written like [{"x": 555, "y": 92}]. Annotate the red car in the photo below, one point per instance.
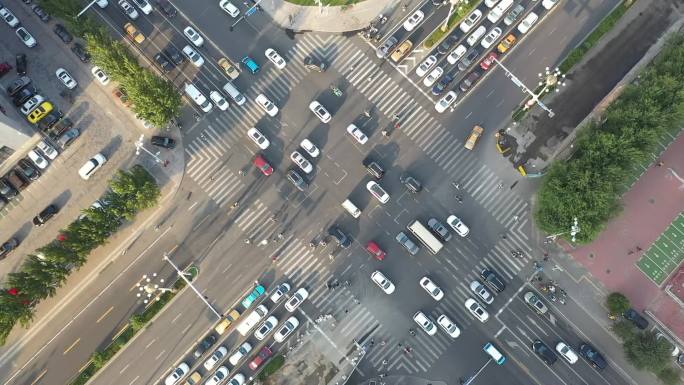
[
  {"x": 375, "y": 250},
  {"x": 259, "y": 359},
  {"x": 488, "y": 61},
  {"x": 5, "y": 67},
  {"x": 263, "y": 165}
]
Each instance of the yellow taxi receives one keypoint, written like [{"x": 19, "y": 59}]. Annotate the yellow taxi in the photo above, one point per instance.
[
  {"x": 39, "y": 113},
  {"x": 227, "y": 321},
  {"x": 506, "y": 43},
  {"x": 474, "y": 137},
  {"x": 231, "y": 69},
  {"x": 133, "y": 33},
  {"x": 401, "y": 51}
]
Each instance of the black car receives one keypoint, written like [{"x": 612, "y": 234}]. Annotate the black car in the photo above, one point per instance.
[
  {"x": 297, "y": 180},
  {"x": 469, "y": 81},
  {"x": 374, "y": 169},
  {"x": 175, "y": 55},
  {"x": 464, "y": 63},
  {"x": 63, "y": 34},
  {"x": 442, "y": 84},
  {"x": 41, "y": 13},
  {"x": 167, "y": 8},
  {"x": 163, "y": 141},
  {"x": 81, "y": 52},
  {"x": 163, "y": 62},
  {"x": 446, "y": 45},
  {"x": 636, "y": 318},
  {"x": 439, "y": 229},
  {"x": 18, "y": 84},
  {"x": 410, "y": 183},
  {"x": 50, "y": 120},
  {"x": 68, "y": 137},
  {"x": 204, "y": 345},
  {"x": 61, "y": 126},
  {"x": 27, "y": 169},
  {"x": 7, "y": 191},
  {"x": 493, "y": 280},
  {"x": 21, "y": 64},
  {"x": 7, "y": 247},
  {"x": 544, "y": 352},
  {"x": 23, "y": 95},
  {"x": 340, "y": 237},
  {"x": 592, "y": 356},
  {"x": 45, "y": 215}
]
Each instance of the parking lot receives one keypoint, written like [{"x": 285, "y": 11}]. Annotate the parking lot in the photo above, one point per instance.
[{"x": 92, "y": 110}]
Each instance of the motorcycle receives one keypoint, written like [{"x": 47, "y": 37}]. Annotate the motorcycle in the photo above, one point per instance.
[{"x": 336, "y": 91}]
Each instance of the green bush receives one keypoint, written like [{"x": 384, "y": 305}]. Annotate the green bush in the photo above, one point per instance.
[
  {"x": 273, "y": 366},
  {"x": 617, "y": 303},
  {"x": 669, "y": 376},
  {"x": 624, "y": 329}
]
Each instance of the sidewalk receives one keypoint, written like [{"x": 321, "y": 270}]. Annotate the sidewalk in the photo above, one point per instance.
[{"x": 327, "y": 19}]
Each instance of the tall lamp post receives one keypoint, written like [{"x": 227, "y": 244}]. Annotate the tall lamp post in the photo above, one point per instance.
[
  {"x": 550, "y": 78},
  {"x": 87, "y": 7},
  {"x": 147, "y": 289},
  {"x": 140, "y": 146},
  {"x": 250, "y": 11},
  {"x": 574, "y": 230},
  {"x": 452, "y": 4},
  {"x": 187, "y": 281}
]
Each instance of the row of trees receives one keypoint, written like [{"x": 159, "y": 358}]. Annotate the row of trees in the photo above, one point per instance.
[
  {"x": 643, "y": 349},
  {"x": 589, "y": 185},
  {"x": 153, "y": 98},
  {"x": 46, "y": 270}
]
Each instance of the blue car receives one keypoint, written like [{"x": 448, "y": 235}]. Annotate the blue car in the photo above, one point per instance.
[
  {"x": 256, "y": 293},
  {"x": 251, "y": 65}
]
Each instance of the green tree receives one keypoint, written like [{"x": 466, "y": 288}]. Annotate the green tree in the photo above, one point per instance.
[
  {"x": 617, "y": 303},
  {"x": 134, "y": 191},
  {"x": 669, "y": 376},
  {"x": 57, "y": 253},
  {"x": 624, "y": 329},
  {"x": 645, "y": 351}
]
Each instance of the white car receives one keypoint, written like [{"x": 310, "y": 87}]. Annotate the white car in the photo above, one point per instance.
[
  {"x": 37, "y": 159},
  {"x": 238, "y": 379},
  {"x": 301, "y": 161},
  {"x": 195, "y": 38},
  {"x": 527, "y": 22},
  {"x": 240, "y": 353},
  {"x": 470, "y": 21},
  {"x": 566, "y": 351},
  {"x": 258, "y": 138},
  {"x": 217, "y": 356},
  {"x": 47, "y": 149},
  {"x": 425, "y": 66},
  {"x": 65, "y": 77},
  {"x": 413, "y": 21},
  {"x": 297, "y": 298},
  {"x": 93, "y": 164},
  {"x": 425, "y": 323},
  {"x": 26, "y": 37},
  {"x": 267, "y": 105},
  {"x": 196, "y": 59},
  {"x": 477, "y": 310},
  {"x": 383, "y": 282},
  {"x": 102, "y": 3},
  {"x": 435, "y": 291},
  {"x": 310, "y": 148},
  {"x": 357, "y": 134},
  {"x": 459, "y": 227},
  {"x": 433, "y": 76},
  {"x": 32, "y": 103},
  {"x": 128, "y": 9},
  {"x": 266, "y": 328},
  {"x": 481, "y": 291},
  {"x": 446, "y": 101},
  {"x": 275, "y": 58},
  {"x": 288, "y": 327},
  {"x": 449, "y": 326},
  {"x": 219, "y": 100},
  {"x": 230, "y": 8},
  {"x": 457, "y": 54},
  {"x": 100, "y": 75},
  {"x": 177, "y": 374},
  {"x": 378, "y": 192},
  {"x": 491, "y": 38},
  {"x": 9, "y": 17},
  {"x": 320, "y": 111},
  {"x": 219, "y": 376},
  {"x": 280, "y": 292},
  {"x": 144, "y": 6},
  {"x": 491, "y": 3},
  {"x": 548, "y": 4}
]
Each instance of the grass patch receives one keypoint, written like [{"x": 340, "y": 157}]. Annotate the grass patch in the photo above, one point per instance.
[
  {"x": 604, "y": 27},
  {"x": 454, "y": 20},
  {"x": 324, "y": 2},
  {"x": 276, "y": 363}
]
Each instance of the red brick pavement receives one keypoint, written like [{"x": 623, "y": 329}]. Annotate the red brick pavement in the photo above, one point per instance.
[{"x": 649, "y": 208}]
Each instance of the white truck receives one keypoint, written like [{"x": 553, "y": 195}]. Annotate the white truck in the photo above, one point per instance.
[{"x": 252, "y": 319}]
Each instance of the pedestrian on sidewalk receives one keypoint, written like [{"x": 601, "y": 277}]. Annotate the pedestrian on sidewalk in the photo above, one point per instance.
[
  {"x": 630, "y": 252},
  {"x": 638, "y": 249},
  {"x": 660, "y": 163}
]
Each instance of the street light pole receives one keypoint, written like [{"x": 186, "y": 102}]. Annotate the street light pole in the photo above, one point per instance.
[
  {"x": 149, "y": 289},
  {"x": 452, "y": 4},
  {"x": 187, "y": 281},
  {"x": 574, "y": 230},
  {"x": 551, "y": 79},
  {"x": 472, "y": 378},
  {"x": 139, "y": 146},
  {"x": 86, "y": 8},
  {"x": 250, "y": 11}
]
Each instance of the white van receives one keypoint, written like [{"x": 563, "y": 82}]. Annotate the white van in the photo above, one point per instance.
[
  {"x": 498, "y": 11},
  {"x": 197, "y": 97},
  {"x": 494, "y": 353},
  {"x": 477, "y": 35},
  {"x": 351, "y": 208},
  {"x": 250, "y": 322},
  {"x": 233, "y": 92},
  {"x": 92, "y": 165}
]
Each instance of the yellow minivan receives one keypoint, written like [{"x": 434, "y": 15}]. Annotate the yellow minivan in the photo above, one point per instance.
[{"x": 401, "y": 51}]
